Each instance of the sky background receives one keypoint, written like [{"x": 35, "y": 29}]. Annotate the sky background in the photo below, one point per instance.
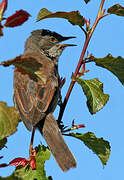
[{"x": 107, "y": 123}]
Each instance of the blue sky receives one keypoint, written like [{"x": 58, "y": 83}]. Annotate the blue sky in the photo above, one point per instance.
[{"x": 108, "y": 123}]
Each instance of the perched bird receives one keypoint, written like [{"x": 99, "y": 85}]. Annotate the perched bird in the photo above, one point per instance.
[{"x": 36, "y": 98}]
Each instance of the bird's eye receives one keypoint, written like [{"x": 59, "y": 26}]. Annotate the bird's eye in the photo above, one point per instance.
[{"x": 52, "y": 39}]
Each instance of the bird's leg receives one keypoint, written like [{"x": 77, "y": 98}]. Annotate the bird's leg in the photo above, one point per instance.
[{"x": 31, "y": 143}]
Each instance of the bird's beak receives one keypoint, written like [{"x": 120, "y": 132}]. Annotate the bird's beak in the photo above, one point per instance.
[
  {"x": 66, "y": 38},
  {"x": 66, "y": 45}
]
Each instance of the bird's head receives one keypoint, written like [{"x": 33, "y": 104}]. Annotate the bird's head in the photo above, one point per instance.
[{"x": 44, "y": 40}]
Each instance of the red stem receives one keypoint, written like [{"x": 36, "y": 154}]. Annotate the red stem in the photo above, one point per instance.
[
  {"x": 78, "y": 67},
  {"x": 88, "y": 37},
  {"x": 73, "y": 82}
]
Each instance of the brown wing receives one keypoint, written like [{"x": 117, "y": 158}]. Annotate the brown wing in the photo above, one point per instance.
[{"x": 32, "y": 96}]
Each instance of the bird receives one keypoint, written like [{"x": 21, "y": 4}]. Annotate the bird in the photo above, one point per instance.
[{"x": 36, "y": 92}]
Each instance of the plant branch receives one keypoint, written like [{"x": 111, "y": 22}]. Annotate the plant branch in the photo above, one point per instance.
[
  {"x": 104, "y": 15},
  {"x": 88, "y": 37},
  {"x": 101, "y": 6},
  {"x": 62, "y": 107},
  {"x": 83, "y": 31},
  {"x": 32, "y": 140},
  {"x": 99, "y": 16}
]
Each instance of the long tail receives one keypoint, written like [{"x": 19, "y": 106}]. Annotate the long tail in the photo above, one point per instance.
[{"x": 56, "y": 143}]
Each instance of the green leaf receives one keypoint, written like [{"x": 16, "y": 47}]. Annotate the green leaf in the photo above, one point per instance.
[
  {"x": 29, "y": 174},
  {"x": 73, "y": 17},
  {"x": 115, "y": 65},
  {"x": 98, "y": 145},
  {"x": 2, "y": 143},
  {"x": 93, "y": 90},
  {"x": 9, "y": 119},
  {"x": 86, "y": 1},
  {"x": 116, "y": 9}
]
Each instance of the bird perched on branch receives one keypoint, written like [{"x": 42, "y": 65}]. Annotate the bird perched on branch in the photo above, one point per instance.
[{"x": 36, "y": 91}]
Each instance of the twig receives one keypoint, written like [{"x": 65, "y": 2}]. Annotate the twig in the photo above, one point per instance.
[
  {"x": 83, "y": 30},
  {"x": 32, "y": 140},
  {"x": 88, "y": 37}
]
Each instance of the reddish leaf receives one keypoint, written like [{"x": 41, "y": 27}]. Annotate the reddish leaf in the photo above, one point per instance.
[
  {"x": 21, "y": 162},
  {"x": 18, "y": 162},
  {"x": 17, "y": 19},
  {"x": 32, "y": 163},
  {"x": 3, "y": 6},
  {"x": 3, "y": 165}
]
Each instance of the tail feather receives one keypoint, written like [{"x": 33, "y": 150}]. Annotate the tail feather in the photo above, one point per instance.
[{"x": 56, "y": 143}]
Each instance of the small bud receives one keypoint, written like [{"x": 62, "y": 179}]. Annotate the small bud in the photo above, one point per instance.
[
  {"x": 77, "y": 126},
  {"x": 80, "y": 126},
  {"x": 87, "y": 22},
  {"x": 104, "y": 10},
  {"x": 3, "y": 7}
]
